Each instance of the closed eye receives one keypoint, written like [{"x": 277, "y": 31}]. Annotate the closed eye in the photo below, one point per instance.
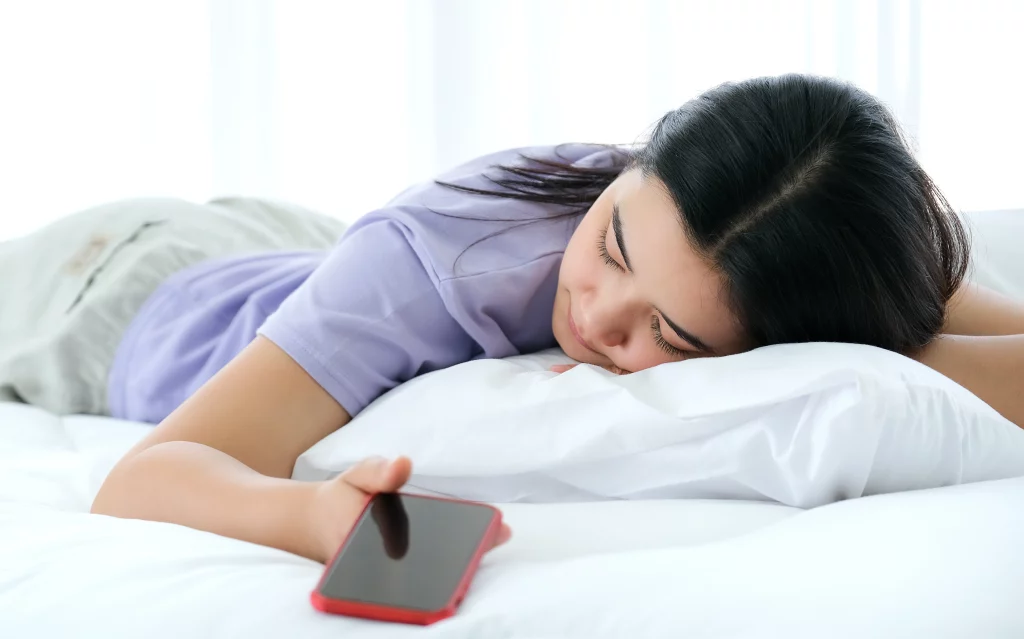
[
  {"x": 602, "y": 247},
  {"x": 659, "y": 339}
]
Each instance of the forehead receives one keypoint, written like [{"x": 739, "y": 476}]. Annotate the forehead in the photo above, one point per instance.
[{"x": 667, "y": 271}]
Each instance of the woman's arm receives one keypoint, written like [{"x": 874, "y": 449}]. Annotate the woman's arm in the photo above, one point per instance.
[
  {"x": 983, "y": 349},
  {"x": 991, "y": 367},
  {"x": 220, "y": 462},
  {"x": 976, "y": 310}
]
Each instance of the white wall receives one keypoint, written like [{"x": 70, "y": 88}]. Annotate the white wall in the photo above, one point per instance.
[{"x": 338, "y": 105}]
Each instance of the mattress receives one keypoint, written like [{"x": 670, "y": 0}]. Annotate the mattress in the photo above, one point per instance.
[{"x": 943, "y": 562}]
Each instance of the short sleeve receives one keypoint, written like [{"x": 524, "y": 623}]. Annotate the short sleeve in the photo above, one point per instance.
[{"x": 368, "y": 318}]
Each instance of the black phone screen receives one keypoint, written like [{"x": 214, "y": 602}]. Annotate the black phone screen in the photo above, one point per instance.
[{"x": 407, "y": 552}]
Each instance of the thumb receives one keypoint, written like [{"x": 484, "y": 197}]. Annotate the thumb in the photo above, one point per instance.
[
  {"x": 561, "y": 368},
  {"x": 378, "y": 475}
]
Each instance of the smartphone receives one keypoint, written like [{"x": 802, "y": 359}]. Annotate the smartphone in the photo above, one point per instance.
[{"x": 409, "y": 558}]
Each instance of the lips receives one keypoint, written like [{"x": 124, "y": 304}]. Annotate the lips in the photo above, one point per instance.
[{"x": 576, "y": 333}]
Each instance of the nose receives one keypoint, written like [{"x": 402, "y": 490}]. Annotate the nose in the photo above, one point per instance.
[
  {"x": 612, "y": 338},
  {"x": 610, "y": 319}
]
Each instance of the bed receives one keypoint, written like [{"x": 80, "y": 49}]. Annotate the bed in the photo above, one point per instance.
[
  {"x": 945, "y": 562},
  {"x": 929, "y": 562}
]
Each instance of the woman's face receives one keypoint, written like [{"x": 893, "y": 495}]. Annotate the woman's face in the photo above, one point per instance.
[{"x": 648, "y": 298}]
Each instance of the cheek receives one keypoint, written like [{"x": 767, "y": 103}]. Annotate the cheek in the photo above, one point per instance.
[
  {"x": 644, "y": 355},
  {"x": 576, "y": 268}
]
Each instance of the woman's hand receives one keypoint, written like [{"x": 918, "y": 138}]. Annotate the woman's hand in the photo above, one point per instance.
[
  {"x": 562, "y": 368},
  {"x": 337, "y": 503}
]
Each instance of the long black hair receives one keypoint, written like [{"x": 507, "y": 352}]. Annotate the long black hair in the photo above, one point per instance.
[
  {"x": 804, "y": 194},
  {"x": 570, "y": 187}
]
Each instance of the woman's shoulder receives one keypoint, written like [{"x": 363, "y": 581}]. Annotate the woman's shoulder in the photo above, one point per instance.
[{"x": 461, "y": 233}]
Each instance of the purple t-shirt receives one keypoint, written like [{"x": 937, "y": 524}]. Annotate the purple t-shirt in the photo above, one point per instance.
[{"x": 387, "y": 303}]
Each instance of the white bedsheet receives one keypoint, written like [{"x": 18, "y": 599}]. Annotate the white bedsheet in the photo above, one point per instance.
[{"x": 935, "y": 563}]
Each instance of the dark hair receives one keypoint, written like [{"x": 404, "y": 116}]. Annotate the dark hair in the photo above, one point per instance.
[
  {"x": 558, "y": 182},
  {"x": 570, "y": 187},
  {"x": 804, "y": 194}
]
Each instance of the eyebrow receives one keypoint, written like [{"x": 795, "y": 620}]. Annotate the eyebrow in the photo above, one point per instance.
[{"x": 683, "y": 334}]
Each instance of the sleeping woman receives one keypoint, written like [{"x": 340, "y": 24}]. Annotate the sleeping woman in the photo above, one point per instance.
[{"x": 774, "y": 210}]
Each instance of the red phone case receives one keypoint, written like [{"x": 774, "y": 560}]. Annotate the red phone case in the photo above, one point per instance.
[{"x": 407, "y": 615}]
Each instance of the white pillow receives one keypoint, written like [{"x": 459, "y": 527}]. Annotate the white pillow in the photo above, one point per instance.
[{"x": 800, "y": 424}]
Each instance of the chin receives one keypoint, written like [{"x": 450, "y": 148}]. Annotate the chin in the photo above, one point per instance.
[
  {"x": 563, "y": 335},
  {"x": 571, "y": 348},
  {"x": 564, "y": 339},
  {"x": 559, "y": 331}
]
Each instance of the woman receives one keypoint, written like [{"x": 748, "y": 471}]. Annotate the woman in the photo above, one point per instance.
[{"x": 774, "y": 210}]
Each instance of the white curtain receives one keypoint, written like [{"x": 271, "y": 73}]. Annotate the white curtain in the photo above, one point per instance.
[{"x": 339, "y": 105}]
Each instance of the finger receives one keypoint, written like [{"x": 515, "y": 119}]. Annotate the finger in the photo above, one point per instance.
[
  {"x": 504, "y": 534},
  {"x": 561, "y": 368},
  {"x": 389, "y": 514},
  {"x": 378, "y": 475}
]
